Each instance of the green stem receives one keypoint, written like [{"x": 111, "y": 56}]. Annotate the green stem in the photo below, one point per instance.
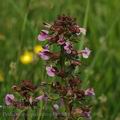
[
  {"x": 62, "y": 64},
  {"x": 43, "y": 109},
  {"x": 67, "y": 109},
  {"x": 40, "y": 111},
  {"x": 18, "y": 116},
  {"x": 26, "y": 115}
]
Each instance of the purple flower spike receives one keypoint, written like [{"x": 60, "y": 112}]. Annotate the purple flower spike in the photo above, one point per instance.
[
  {"x": 43, "y": 54},
  {"x": 43, "y": 35},
  {"x": 51, "y": 71},
  {"x": 89, "y": 92},
  {"x": 86, "y": 52},
  {"x": 68, "y": 47},
  {"x": 9, "y": 98}
]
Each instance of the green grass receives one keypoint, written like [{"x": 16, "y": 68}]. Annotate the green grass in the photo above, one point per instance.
[{"x": 20, "y": 23}]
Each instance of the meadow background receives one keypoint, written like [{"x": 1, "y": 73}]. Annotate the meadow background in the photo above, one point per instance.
[{"x": 20, "y": 23}]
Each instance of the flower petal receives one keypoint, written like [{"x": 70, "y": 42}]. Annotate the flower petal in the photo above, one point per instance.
[
  {"x": 39, "y": 98},
  {"x": 50, "y": 71},
  {"x": 86, "y": 52},
  {"x": 43, "y": 35},
  {"x": 9, "y": 98},
  {"x": 89, "y": 92}
]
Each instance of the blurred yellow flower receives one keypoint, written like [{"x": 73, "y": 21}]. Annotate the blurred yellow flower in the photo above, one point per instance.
[
  {"x": 1, "y": 76},
  {"x": 26, "y": 57},
  {"x": 2, "y": 36},
  {"x": 38, "y": 48}
]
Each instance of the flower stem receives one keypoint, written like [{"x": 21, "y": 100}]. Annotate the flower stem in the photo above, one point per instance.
[
  {"x": 26, "y": 115},
  {"x": 40, "y": 111},
  {"x": 18, "y": 115},
  {"x": 62, "y": 64}
]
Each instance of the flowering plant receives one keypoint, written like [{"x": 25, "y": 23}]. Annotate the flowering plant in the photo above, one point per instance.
[{"x": 71, "y": 101}]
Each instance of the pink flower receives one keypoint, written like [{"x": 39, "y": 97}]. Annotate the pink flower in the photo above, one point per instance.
[
  {"x": 61, "y": 41},
  {"x": 68, "y": 47},
  {"x": 51, "y": 71},
  {"x": 43, "y": 54},
  {"x": 89, "y": 92},
  {"x": 42, "y": 97},
  {"x": 86, "y": 114},
  {"x": 86, "y": 52},
  {"x": 39, "y": 98},
  {"x": 9, "y": 99},
  {"x": 43, "y": 35}
]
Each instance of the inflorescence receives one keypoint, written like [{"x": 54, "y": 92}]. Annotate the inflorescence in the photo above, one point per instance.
[{"x": 62, "y": 34}]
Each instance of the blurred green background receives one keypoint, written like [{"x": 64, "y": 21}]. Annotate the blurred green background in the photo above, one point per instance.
[{"x": 20, "y": 23}]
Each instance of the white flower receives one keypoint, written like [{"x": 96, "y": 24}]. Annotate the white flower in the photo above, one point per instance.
[{"x": 82, "y": 30}]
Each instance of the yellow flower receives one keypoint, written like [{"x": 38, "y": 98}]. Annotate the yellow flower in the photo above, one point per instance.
[
  {"x": 1, "y": 76},
  {"x": 26, "y": 57},
  {"x": 38, "y": 48}
]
